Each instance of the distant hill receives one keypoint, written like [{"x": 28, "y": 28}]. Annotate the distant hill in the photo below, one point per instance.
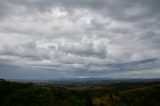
[{"x": 115, "y": 94}]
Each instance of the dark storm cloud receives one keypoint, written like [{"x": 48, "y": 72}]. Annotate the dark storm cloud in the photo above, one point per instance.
[{"x": 81, "y": 38}]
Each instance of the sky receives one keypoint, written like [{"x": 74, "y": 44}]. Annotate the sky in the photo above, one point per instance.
[{"x": 54, "y": 39}]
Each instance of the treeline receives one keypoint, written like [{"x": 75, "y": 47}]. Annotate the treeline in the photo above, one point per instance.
[
  {"x": 17, "y": 94},
  {"x": 29, "y": 94}
]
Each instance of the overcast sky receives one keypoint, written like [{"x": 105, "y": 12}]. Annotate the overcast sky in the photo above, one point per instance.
[{"x": 48, "y": 39}]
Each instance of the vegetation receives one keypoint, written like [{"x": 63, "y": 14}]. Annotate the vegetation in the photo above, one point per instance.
[{"x": 121, "y": 94}]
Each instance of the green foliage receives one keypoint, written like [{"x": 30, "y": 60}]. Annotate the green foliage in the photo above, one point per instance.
[{"x": 18, "y": 94}]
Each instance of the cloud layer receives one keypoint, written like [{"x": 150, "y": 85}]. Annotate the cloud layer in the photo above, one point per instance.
[{"x": 84, "y": 38}]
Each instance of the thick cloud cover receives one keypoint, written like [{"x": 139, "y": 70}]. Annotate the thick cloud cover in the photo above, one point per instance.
[{"x": 47, "y": 39}]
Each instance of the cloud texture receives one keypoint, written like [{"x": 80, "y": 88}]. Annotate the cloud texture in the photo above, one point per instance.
[{"x": 47, "y": 39}]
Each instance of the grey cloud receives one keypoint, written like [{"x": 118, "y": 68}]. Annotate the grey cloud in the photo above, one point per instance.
[
  {"x": 116, "y": 8},
  {"x": 140, "y": 66},
  {"x": 86, "y": 49},
  {"x": 84, "y": 36},
  {"x": 22, "y": 51},
  {"x": 4, "y": 9}
]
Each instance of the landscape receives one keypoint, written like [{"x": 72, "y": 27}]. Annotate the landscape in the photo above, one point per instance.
[
  {"x": 81, "y": 93},
  {"x": 79, "y": 52}
]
